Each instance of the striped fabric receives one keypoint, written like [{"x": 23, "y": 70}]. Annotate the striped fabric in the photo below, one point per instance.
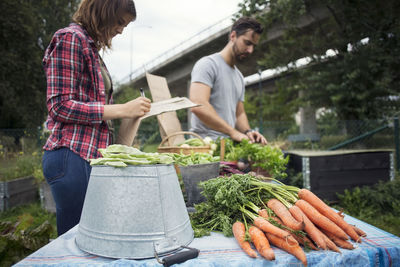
[
  {"x": 379, "y": 248},
  {"x": 75, "y": 93}
]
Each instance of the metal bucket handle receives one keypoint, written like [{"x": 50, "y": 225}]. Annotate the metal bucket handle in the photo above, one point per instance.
[{"x": 180, "y": 257}]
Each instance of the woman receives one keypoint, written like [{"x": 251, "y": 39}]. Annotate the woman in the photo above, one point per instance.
[{"x": 79, "y": 101}]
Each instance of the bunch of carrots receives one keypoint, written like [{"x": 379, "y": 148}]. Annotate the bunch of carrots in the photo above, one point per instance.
[
  {"x": 324, "y": 228},
  {"x": 289, "y": 218}
]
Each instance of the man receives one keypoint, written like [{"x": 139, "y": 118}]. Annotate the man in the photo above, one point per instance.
[{"x": 218, "y": 86}]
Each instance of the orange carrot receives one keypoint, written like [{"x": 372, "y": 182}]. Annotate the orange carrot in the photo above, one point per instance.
[
  {"x": 268, "y": 227},
  {"x": 295, "y": 250},
  {"x": 283, "y": 213},
  {"x": 305, "y": 241},
  {"x": 339, "y": 242},
  {"x": 261, "y": 243},
  {"x": 320, "y": 220},
  {"x": 328, "y": 212},
  {"x": 359, "y": 231},
  {"x": 309, "y": 227},
  {"x": 239, "y": 232},
  {"x": 264, "y": 213},
  {"x": 302, "y": 240},
  {"x": 330, "y": 244}
]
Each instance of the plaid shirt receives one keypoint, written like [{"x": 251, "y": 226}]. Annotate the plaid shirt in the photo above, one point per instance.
[{"x": 75, "y": 94}]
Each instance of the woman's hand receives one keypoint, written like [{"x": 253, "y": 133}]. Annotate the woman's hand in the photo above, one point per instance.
[
  {"x": 133, "y": 109},
  {"x": 137, "y": 107}
]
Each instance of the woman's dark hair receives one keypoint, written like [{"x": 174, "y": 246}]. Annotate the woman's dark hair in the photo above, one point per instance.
[
  {"x": 244, "y": 24},
  {"x": 99, "y": 17}
]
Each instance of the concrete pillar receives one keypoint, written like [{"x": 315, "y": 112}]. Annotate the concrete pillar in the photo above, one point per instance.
[
  {"x": 308, "y": 121},
  {"x": 189, "y": 113}
]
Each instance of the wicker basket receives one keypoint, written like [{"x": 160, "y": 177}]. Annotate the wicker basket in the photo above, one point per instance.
[{"x": 182, "y": 150}]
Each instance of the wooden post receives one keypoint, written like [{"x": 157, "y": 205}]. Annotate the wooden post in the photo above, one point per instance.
[{"x": 222, "y": 150}]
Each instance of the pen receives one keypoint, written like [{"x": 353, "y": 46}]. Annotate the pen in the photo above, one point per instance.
[{"x": 142, "y": 92}]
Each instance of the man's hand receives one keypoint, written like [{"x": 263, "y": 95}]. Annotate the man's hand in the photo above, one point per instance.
[
  {"x": 255, "y": 136},
  {"x": 238, "y": 136}
]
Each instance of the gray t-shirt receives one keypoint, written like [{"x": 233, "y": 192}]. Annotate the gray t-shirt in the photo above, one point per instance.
[{"x": 227, "y": 89}]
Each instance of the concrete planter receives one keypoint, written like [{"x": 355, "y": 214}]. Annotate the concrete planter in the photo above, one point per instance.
[
  {"x": 17, "y": 192},
  {"x": 46, "y": 198}
]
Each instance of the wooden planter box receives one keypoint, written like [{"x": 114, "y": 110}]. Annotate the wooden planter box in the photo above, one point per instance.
[
  {"x": 46, "y": 198},
  {"x": 327, "y": 173},
  {"x": 17, "y": 192}
]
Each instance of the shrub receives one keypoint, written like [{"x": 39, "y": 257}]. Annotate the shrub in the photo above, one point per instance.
[
  {"x": 378, "y": 205},
  {"x": 23, "y": 230}
]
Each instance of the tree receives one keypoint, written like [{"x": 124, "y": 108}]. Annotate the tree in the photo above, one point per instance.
[
  {"x": 26, "y": 29},
  {"x": 359, "y": 78}
]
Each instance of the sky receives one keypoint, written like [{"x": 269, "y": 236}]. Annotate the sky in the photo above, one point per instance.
[{"x": 161, "y": 25}]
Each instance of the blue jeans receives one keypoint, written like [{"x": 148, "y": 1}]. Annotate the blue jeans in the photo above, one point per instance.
[{"x": 68, "y": 176}]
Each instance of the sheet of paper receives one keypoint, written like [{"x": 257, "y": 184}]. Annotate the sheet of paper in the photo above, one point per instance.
[{"x": 167, "y": 105}]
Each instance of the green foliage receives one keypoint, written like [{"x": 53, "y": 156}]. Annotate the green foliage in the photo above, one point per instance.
[
  {"x": 26, "y": 29},
  {"x": 268, "y": 158},
  {"x": 23, "y": 230},
  {"x": 382, "y": 198},
  {"x": 359, "y": 78},
  {"x": 225, "y": 196},
  {"x": 378, "y": 205},
  {"x": 355, "y": 203},
  {"x": 269, "y": 106},
  {"x": 293, "y": 178}
]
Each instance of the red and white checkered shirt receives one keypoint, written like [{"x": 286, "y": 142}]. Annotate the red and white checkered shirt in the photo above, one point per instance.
[{"x": 75, "y": 93}]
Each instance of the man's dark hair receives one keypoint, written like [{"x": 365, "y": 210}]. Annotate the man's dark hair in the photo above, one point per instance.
[{"x": 244, "y": 24}]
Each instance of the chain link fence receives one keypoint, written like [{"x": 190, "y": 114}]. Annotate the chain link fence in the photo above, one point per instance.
[{"x": 366, "y": 134}]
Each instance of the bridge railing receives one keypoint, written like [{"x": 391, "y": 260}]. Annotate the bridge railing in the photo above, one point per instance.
[{"x": 170, "y": 53}]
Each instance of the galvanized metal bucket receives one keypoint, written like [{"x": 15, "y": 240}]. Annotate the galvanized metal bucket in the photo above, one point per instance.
[
  {"x": 192, "y": 175},
  {"x": 135, "y": 212}
]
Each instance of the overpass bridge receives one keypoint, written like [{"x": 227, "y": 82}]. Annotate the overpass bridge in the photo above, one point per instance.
[{"x": 176, "y": 64}]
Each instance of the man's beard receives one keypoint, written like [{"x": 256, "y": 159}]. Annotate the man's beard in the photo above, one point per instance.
[{"x": 239, "y": 57}]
